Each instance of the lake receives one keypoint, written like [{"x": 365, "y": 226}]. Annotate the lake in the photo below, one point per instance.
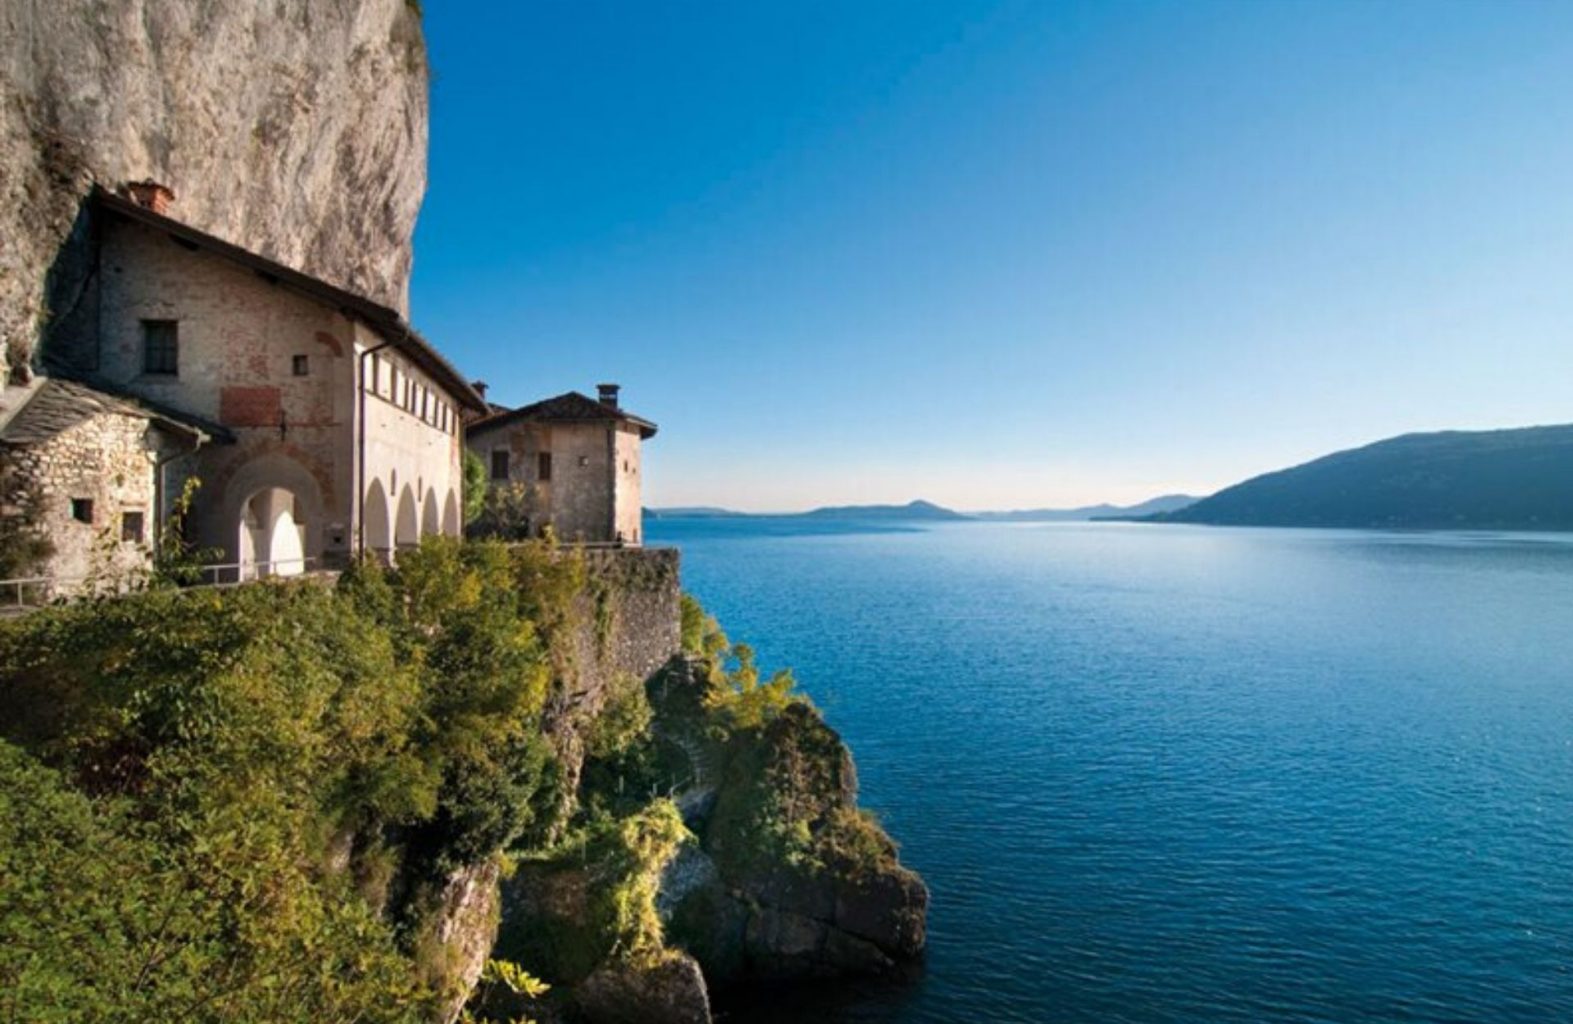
[{"x": 1168, "y": 773}]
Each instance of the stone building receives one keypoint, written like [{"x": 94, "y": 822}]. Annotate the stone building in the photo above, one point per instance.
[
  {"x": 336, "y": 428},
  {"x": 576, "y": 461},
  {"x": 86, "y": 473}
]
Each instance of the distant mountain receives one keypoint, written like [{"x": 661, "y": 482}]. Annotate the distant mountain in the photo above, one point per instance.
[
  {"x": 924, "y": 510},
  {"x": 914, "y": 510},
  {"x": 690, "y": 512},
  {"x": 1166, "y": 503},
  {"x": 1485, "y": 480}
]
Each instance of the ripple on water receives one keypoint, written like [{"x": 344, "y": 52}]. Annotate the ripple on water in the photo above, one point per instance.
[{"x": 1181, "y": 774}]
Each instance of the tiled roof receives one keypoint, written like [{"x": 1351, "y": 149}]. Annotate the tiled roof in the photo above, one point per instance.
[
  {"x": 56, "y": 405},
  {"x": 386, "y": 322},
  {"x": 571, "y": 407}
]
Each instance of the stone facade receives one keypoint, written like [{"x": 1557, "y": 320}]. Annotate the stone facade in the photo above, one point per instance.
[
  {"x": 92, "y": 491},
  {"x": 577, "y": 459}
]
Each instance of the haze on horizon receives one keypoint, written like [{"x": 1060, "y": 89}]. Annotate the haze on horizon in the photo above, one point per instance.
[{"x": 1004, "y": 255}]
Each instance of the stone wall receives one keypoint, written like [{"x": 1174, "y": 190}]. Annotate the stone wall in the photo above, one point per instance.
[
  {"x": 628, "y": 621},
  {"x": 625, "y": 623},
  {"x": 107, "y": 460}
]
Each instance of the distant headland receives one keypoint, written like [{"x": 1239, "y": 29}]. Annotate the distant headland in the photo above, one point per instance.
[
  {"x": 1453, "y": 480},
  {"x": 928, "y": 511}
]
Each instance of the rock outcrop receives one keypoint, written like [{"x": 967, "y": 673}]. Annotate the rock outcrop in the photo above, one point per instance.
[
  {"x": 790, "y": 880},
  {"x": 297, "y": 130}
]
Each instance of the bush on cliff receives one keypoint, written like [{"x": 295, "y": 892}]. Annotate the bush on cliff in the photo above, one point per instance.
[{"x": 206, "y": 753}]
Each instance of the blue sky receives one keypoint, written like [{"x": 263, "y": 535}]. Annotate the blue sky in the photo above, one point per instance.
[{"x": 1004, "y": 254}]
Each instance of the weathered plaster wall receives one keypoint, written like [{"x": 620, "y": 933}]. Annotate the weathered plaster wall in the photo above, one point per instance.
[
  {"x": 414, "y": 473},
  {"x": 107, "y": 459},
  {"x": 238, "y": 338},
  {"x": 628, "y": 514},
  {"x": 296, "y": 130}
]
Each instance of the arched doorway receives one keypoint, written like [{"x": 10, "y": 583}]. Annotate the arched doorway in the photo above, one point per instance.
[
  {"x": 272, "y": 534},
  {"x": 407, "y": 527},
  {"x": 376, "y": 529},
  {"x": 271, "y": 520},
  {"x": 431, "y": 523},
  {"x": 450, "y": 516}
]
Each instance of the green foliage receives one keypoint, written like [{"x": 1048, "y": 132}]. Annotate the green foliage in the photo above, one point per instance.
[
  {"x": 786, "y": 794},
  {"x": 178, "y": 560},
  {"x": 109, "y": 916},
  {"x": 623, "y": 722},
  {"x": 645, "y": 843},
  {"x": 604, "y": 877},
  {"x": 207, "y": 747},
  {"x": 742, "y": 700},
  {"x": 457, "y": 614},
  {"x": 505, "y": 987},
  {"x": 475, "y": 484},
  {"x": 24, "y": 546},
  {"x": 701, "y": 634},
  {"x": 509, "y": 511}
]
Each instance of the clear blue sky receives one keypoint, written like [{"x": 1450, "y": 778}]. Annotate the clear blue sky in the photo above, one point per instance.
[{"x": 1004, "y": 254}]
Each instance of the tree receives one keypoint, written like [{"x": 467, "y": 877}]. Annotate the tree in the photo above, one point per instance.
[{"x": 474, "y": 486}]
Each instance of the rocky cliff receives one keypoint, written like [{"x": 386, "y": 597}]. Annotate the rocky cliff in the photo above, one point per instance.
[{"x": 294, "y": 129}]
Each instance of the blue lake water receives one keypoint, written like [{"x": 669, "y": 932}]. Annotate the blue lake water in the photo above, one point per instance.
[{"x": 1189, "y": 774}]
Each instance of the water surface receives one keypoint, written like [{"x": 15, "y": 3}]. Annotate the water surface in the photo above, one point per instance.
[{"x": 1185, "y": 773}]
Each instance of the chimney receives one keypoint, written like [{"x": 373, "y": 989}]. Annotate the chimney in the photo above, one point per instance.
[
  {"x": 608, "y": 394},
  {"x": 151, "y": 194},
  {"x": 480, "y": 388}
]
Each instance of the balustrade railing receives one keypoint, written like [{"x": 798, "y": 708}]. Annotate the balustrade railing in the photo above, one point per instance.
[{"x": 35, "y": 591}]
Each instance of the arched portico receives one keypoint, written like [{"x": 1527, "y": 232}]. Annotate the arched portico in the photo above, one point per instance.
[
  {"x": 451, "y": 526},
  {"x": 407, "y": 527},
  {"x": 431, "y": 521},
  {"x": 376, "y": 527}
]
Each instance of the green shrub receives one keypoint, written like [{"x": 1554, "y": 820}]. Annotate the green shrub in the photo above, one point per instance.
[
  {"x": 212, "y": 745},
  {"x": 107, "y": 916}
]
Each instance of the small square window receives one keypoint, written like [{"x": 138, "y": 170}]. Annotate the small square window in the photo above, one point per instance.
[
  {"x": 131, "y": 527},
  {"x": 161, "y": 347},
  {"x": 301, "y": 365},
  {"x": 500, "y": 464},
  {"x": 82, "y": 509},
  {"x": 543, "y": 466},
  {"x": 584, "y": 460}
]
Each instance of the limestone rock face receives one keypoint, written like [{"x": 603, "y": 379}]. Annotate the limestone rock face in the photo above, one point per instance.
[{"x": 296, "y": 129}]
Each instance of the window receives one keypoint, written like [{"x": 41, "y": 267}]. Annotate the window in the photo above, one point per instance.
[
  {"x": 161, "y": 347},
  {"x": 500, "y": 464},
  {"x": 301, "y": 365},
  {"x": 82, "y": 509},
  {"x": 543, "y": 466},
  {"x": 131, "y": 526}
]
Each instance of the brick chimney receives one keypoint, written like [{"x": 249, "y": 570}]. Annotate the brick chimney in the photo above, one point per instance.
[
  {"x": 151, "y": 195},
  {"x": 608, "y": 394},
  {"x": 480, "y": 388}
]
